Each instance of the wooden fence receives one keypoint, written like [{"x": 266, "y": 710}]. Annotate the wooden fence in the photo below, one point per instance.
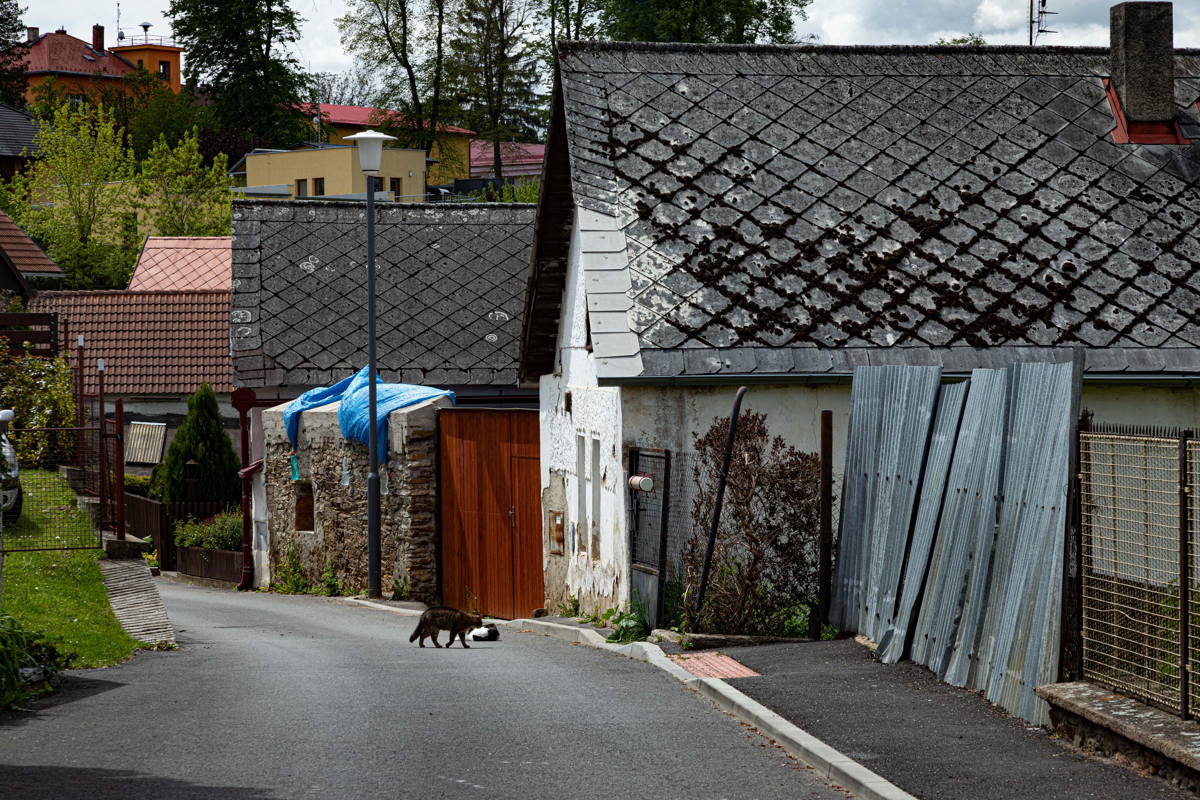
[
  {"x": 145, "y": 517},
  {"x": 39, "y": 330},
  {"x": 220, "y": 565}
]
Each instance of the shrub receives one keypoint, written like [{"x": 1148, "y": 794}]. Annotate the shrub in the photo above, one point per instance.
[
  {"x": 202, "y": 439},
  {"x": 288, "y": 575},
  {"x": 139, "y": 485},
  {"x": 28, "y": 666},
  {"x": 764, "y": 557},
  {"x": 221, "y": 532},
  {"x": 40, "y": 392}
]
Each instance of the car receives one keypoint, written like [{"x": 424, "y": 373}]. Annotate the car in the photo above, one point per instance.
[{"x": 12, "y": 497}]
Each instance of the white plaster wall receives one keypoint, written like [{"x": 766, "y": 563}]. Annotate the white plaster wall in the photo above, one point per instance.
[
  {"x": 599, "y": 579},
  {"x": 1143, "y": 405}
]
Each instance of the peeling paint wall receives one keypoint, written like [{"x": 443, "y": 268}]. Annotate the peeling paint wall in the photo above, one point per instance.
[{"x": 1177, "y": 406}]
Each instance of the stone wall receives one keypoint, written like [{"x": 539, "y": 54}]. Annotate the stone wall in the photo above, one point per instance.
[{"x": 337, "y": 472}]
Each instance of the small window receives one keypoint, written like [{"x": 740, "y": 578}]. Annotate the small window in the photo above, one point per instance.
[
  {"x": 140, "y": 64},
  {"x": 377, "y": 183},
  {"x": 397, "y": 189},
  {"x": 595, "y": 516},
  {"x": 305, "y": 520},
  {"x": 581, "y": 525},
  {"x": 76, "y": 100},
  {"x": 318, "y": 187},
  {"x": 302, "y": 188},
  {"x": 164, "y": 70}
]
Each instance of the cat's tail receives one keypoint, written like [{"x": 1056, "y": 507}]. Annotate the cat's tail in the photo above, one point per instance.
[{"x": 417, "y": 630}]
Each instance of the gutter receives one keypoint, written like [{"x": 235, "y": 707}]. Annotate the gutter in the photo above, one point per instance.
[{"x": 1182, "y": 380}]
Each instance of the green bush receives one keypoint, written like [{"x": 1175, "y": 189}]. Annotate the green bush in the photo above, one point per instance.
[
  {"x": 222, "y": 532},
  {"x": 139, "y": 485},
  {"x": 201, "y": 439},
  {"x": 28, "y": 666},
  {"x": 41, "y": 394}
]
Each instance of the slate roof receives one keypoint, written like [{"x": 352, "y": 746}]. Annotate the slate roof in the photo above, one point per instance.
[
  {"x": 451, "y": 287},
  {"x": 26, "y": 257},
  {"x": 17, "y": 130},
  {"x": 153, "y": 343},
  {"x": 771, "y": 210},
  {"x": 183, "y": 262}
]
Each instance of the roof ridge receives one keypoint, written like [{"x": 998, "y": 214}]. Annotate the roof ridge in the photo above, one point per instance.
[{"x": 666, "y": 47}]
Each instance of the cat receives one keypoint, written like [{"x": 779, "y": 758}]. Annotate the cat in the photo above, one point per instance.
[
  {"x": 488, "y": 633},
  {"x": 443, "y": 618}
]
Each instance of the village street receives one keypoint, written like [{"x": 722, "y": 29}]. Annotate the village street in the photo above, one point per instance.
[{"x": 273, "y": 696}]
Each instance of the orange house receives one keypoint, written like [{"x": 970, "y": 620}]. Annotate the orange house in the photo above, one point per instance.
[{"x": 80, "y": 69}]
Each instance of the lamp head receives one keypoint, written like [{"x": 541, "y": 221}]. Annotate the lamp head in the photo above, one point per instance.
[{"x": 370, "y": 149}]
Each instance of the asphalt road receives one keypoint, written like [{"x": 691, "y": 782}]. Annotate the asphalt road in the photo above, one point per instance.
[{"x": 301, "y": 697}]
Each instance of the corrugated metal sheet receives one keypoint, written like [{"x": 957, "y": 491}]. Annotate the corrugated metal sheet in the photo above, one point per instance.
[
  {"x": 984, "y": 558},
  {"x": 891, "y": 410},
  {"x": 144, "y": 442}
]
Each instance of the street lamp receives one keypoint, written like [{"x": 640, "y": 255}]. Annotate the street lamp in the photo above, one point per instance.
[{"x": 370, "y": 156}]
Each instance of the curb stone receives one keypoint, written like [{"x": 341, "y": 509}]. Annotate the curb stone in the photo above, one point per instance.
[{"x": 834, "y": 765}]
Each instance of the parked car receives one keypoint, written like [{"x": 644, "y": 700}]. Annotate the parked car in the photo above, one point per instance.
[{"x": 12, "y": 497}]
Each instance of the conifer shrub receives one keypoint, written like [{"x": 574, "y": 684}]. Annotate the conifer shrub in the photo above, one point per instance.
[{"x": 202, "y": 439}]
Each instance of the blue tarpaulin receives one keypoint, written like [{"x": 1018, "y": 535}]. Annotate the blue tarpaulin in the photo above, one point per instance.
[{"x": 353, "y": 394}]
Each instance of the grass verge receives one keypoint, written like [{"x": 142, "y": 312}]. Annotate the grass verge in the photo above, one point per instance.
[{"x": 60, "y": 594}]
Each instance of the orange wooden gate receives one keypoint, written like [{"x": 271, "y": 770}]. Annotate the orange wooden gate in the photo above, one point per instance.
[{"x": 491, "y": 511}]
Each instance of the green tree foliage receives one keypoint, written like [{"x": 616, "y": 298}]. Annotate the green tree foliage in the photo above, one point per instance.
[
  {"x": 202, "y": 439},
  {"x": 567, "y": 20},
  {"x": 74, "y": 200},
  {"x": 493, "y": 72},
  {"x": 12, "y": 54},
  {"x": 181, "y": 196},
  {"x": 700, "y": 21},
  {"x": 967, "y": 39},
  {"x": 519, "y": 191},
  {"x": 407, "y": 39},
  {"x": 40, "y": 391},
  {"x": 239, "y": 50}
]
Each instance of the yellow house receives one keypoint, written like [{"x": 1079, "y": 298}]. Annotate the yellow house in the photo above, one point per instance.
[
  {"x": 452, "y": 152},
  {"x": 332, "y": 170}
]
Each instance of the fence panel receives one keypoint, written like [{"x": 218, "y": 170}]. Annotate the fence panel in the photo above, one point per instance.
[
  {"x": 220, "y": 565},
  {"x": 42, "y": 505},
  {"x": 1130, "y": 531}
]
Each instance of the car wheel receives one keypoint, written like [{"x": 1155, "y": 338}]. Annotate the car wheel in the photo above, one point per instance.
[{"x": 14, "y": 513}]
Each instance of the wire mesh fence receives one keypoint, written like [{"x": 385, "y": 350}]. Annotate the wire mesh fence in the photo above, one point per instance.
[
  {"x": 50, "y": 489},
  {"x": 1132, "y": 554}
]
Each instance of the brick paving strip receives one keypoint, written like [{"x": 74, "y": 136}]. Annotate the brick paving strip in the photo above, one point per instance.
[{"x": 712, "y": 665}]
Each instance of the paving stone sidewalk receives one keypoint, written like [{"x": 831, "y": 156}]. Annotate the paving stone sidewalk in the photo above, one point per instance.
[{"x": 933, "y": 740}]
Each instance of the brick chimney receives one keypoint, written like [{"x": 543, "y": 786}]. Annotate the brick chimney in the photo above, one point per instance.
[
  {"x": 31, "y": 34},
  {"x": 98, "y": 37},
  {"x": 1143, "y": 60}
]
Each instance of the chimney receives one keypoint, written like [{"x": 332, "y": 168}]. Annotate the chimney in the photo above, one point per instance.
[
  {"x": 31, "y": 34},
  {"x": 1143, "y": 60},
  {"x": 98, "y": 37}
]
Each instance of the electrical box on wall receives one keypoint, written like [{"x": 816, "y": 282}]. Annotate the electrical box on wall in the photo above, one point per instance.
[{"x": 557, "y": 532}]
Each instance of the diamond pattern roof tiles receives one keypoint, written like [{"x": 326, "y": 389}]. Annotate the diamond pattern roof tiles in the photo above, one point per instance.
[
  {"x": 912, "y": 200},
  {"x": 450, "y": 291}
]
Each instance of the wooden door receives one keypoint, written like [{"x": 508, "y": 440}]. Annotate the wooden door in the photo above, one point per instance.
[{"x": 491, "y": 511}]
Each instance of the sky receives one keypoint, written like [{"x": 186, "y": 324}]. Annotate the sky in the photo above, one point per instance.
[{"x": 1078, "y": 22}]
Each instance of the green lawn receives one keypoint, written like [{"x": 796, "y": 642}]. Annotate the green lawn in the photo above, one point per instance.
[{"x": 60, "y": 593}]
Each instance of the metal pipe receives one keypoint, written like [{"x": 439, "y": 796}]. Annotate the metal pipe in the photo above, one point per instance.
[
  {"x": 243, "y": 401},
  {"x": 374, "y": 584},
  {"x": 716, "y": 517},
  {"x": 102, "y": 483},
  {"x": 1185, "y": 580},
  {"x": 820, "y": 614},
  {"x": 119, "y": 468}
]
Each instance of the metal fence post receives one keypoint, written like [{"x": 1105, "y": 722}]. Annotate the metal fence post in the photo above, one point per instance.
[
  {"x": 663, "y": 532},
  {"x": 102, "y": 482},
  {"x": 1185, "y": 579},
  {"x": 118, "y": 479},
  {"x": 825, "y": 541}
]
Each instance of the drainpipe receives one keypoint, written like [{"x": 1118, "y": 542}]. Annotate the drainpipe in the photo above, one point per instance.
[{"x": 716, "y": 517}]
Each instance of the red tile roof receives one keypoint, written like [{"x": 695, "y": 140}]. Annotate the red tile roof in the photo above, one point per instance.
[
  {"x": 510, "y": 153},
  {"x": 183, "y": 262},
  {"x": 153, "y": 343},
  {"x": 366, "y": 115},
  {"x": 62, "y": 52},
  {"x": 27, "y": 257}
]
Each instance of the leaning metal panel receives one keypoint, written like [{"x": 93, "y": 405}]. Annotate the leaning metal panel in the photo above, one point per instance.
[
  {"x": 1130, "y": 537},
  {"x": 891, "y": 414}
]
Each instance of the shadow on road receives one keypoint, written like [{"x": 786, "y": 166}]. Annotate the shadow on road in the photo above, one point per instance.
[
  {"x": 73, "y": 783},
  {"x": 72, "y": 688}
]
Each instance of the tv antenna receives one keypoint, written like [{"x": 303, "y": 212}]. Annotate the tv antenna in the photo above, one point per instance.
[
  {"x": 120, "y": 33},
  {"x": 1037, "y": 20}
]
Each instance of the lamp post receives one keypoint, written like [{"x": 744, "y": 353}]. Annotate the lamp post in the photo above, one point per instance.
[{"x": 370, "y": 156}]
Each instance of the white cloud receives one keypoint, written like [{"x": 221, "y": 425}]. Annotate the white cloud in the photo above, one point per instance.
[{"x": 996, "y": 15}]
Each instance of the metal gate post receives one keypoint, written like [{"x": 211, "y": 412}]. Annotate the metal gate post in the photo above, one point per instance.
[
  {"x": 118, "y": 481},
  {"x": 1185, "y": 579},
  {"x": 102, "y": 482},
  {"x": 819, "y": 616},
  {"x": 664, "y": 529}
]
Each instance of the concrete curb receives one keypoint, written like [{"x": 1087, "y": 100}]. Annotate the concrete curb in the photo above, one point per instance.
[
  {"x": 404, "y": 612},
  {"x": 834, "y": 765}
]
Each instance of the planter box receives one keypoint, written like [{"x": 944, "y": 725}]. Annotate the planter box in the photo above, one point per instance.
[{"x": 217, "y": 565}]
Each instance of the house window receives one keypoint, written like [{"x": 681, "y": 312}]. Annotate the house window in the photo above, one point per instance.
[
  {"x": 164, "y": 70},
  {"x": 397, "y": 189},
  {"x": 318, "y": 187},
  {"x": 304, "y": 517},
  {"x": 302, "y": 187},
  {"x": 76, "y": 100},
  {"x": 596, "y": 515},
  {"x": 140, "y": 64},
  {"x": 581, "y": 524}
]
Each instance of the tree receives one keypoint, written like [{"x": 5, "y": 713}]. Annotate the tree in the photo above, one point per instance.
[
  {"x": 200, "y": 439},
  {"x": 74, "y": 200},
  {"x": 408, "y": 39},
  {"x": 356, "y": 87},
  {"x": 493, "y": 72},
  {"x": 967, "y": 39},
  {"x": 239, "y": 49},
  {"x": 700, "y": 21},
  {"x": 570, "y": 20},
  {"x": 12, "y": 54},
  {"x": 182, "y": 197}
]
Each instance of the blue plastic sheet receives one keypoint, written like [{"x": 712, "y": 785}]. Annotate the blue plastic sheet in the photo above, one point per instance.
[{"x": 353, "y": 411}]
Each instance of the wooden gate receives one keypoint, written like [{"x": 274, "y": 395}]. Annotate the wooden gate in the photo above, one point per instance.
[{"x": 491, "y": 511}]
